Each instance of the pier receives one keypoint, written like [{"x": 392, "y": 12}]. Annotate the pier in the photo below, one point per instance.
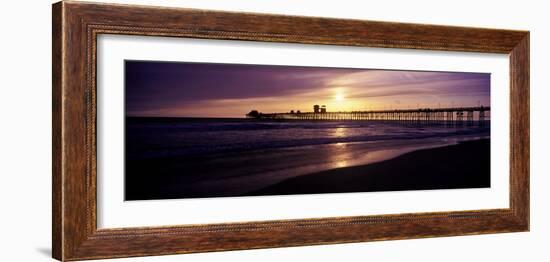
[{"x": 456, "y": 115}]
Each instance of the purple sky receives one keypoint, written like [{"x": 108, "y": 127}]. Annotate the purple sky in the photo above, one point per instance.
[{"x": 232, "y": 90}]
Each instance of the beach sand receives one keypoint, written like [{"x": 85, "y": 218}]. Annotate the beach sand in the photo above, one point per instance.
[
  {"x": 332, "y": 168},
  {"x": 466, "y": 165}
]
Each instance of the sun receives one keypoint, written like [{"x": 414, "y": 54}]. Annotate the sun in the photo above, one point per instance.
[{"x": 339, "y": 96}]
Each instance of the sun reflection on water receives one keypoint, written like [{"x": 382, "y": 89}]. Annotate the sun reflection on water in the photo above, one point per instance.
[
  {"x": 339, "y": 132},
  {"x": 340, "y": 155},
  {"x": 342, "y": 163}
]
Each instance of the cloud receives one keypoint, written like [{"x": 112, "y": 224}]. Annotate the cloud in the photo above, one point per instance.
[{"x": 159, "y": 88}]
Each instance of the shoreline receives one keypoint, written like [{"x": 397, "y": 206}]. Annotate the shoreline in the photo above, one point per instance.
[
  {"x": 464, "y": 165},
  {"x": 299, "y": 176}
]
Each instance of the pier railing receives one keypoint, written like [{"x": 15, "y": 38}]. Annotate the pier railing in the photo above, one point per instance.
[{"x": 420, "y": 115}]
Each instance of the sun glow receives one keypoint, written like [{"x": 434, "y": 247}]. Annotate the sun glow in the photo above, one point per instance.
[{"x": 339, "y": 96}]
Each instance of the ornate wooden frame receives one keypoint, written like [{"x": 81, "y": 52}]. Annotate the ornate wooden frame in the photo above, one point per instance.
[{"x": 76, "y": 26}]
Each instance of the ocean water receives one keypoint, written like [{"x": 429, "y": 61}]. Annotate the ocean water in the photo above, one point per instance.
[
  {"x": 148, "y": 138},
  {"x": 189, "y": 158}
]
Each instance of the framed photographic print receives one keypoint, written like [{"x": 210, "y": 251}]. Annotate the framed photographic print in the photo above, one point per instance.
[{"x": 181, "y": 130}]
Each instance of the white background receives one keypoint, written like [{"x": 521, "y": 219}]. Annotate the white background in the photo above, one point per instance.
[{"x": 25, "y": 147}]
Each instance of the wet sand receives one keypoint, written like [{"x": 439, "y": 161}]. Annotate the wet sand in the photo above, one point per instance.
[
  {"x": 465, "y": 165},
  {"x": 332, "y": 168}
]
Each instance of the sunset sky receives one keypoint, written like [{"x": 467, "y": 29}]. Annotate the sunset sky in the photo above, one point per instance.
[{"x": 232, "y": 90}]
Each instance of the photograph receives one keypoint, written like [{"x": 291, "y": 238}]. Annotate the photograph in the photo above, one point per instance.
[{"x": 201, "y": 130}]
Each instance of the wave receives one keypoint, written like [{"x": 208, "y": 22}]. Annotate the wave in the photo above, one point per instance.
[{"x": 160, "y": 146}]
